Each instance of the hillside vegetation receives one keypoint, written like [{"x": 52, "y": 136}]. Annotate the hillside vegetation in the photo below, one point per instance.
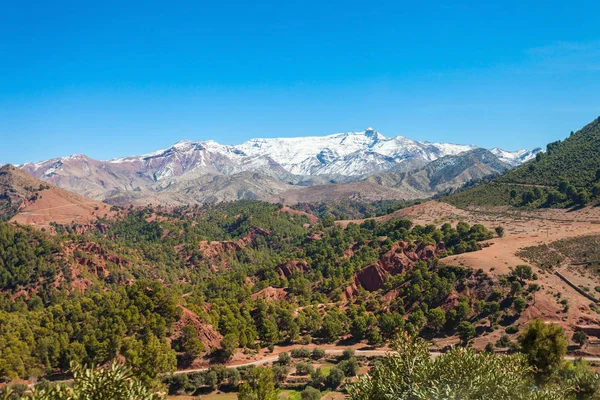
[
  {"x": 464, "y": 374},
  {"x": 159, "y": 288},
  {"x": 566, "y": 175},
  {"x": 344, "y": 209},
  {"x": 575, "y": 159}
]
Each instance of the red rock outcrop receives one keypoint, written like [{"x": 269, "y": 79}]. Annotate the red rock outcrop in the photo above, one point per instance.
[
  {"x": 207, "y": 334},
  {"x": 270, "y": 294},
  {"x": 401, "y": 257},
  {"x": 81, "y": 229},
  {"x": 214, "y": 251},
  {"x": 371, "y": 277},
  {"x": 94, "y": 258},
  {"x": 104, "y": 255},
  {"x": 286, "y": 270},
  {"x": 312, "y": 218},
  {"x": 250, "y": 236}
]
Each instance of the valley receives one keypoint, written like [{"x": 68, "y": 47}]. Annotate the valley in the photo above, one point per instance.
[
  {"x": 306, "y": 291},
  {"x": 299, "y": 200},
  {"x": 522, "y": 229}
]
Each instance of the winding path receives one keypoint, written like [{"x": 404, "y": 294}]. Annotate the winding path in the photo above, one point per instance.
[
  {"x": 364, "y": 353},
  {"x": 270, "y": 359}
]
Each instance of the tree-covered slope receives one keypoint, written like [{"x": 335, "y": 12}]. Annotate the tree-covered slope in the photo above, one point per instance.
[
  {"x": 575, "y": 159},
  {"x": 148, "y": 284},
  {"x": 566, "y": 175}
]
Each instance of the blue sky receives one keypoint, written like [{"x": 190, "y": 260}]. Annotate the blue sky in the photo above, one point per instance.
[{"x": 110, "y": 79}]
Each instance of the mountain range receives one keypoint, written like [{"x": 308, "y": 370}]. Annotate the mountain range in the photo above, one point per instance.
[{"x": 282, "y": 168}]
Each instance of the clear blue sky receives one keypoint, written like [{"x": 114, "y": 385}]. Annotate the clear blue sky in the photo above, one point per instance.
[{"x": 113, "y": 78}]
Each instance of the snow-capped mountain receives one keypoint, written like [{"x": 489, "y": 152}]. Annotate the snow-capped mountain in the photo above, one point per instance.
[
  {"x": 515, "y": 158},
  {"x": 340, "y": 157},
  {"x": 347, "y": 154}
]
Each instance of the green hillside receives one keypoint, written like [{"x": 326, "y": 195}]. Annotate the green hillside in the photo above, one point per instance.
[
  {"x": 576, "y": 159},
  {"x": 567, "y": 174},
  {"x": 131, "y": 286}
]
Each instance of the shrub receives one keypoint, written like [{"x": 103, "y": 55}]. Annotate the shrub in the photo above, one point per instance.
[
  {"x": 580, "y": 338},
  {"x": 280, "y": 373},
  {"x": 499, "y": 231},
  {"x": 511, "y": 329},
  {"x": 496, "y": 295},
  {"x": 301, "y": 353},
  {"x": 347, "y": 354},
  {"x": 504, "y": 341},
  {"x": 317, "y": 353},
  {"x": 284, "y": 359},
  {"x": 466, "y": 331},
  {"x": 411, "y": 373},
  {"x": 303, "y": 368},
  {"x": 115, "y": 382},
  {"x": 374, "y": 337},
  {"x": 310, "y": 393},
  {"x": 544, "y": 345},
  {"x": 519, "y": 304},
  {"x": 335, "y": 378},
  {"x": 317, "y": 378},
  {"x": 177, "y": 384},
  {"x": 349, "y": 367},
  {"x": 523, "y": 272}
]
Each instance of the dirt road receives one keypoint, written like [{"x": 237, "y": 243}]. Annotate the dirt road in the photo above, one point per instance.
[
  {"x": 364, "y": 353},
  {"x": 271, "y": 359}
]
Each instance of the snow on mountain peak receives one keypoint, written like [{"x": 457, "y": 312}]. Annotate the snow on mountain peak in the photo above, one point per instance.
[
  {"x": 515, "y": 158},
  {"x": 372, "y": 133},
  {"x": 349, "y": 154}
]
